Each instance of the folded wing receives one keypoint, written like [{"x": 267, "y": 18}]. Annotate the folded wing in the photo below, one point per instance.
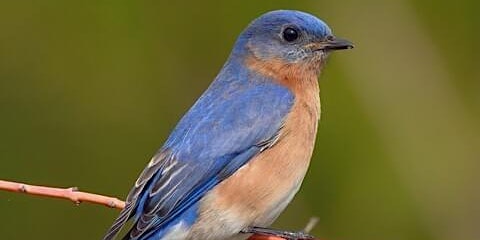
[{"x": 216, "y": 137}]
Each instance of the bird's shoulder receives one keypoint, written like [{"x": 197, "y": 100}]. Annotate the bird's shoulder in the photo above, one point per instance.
[{"x": 233, "y": 114}]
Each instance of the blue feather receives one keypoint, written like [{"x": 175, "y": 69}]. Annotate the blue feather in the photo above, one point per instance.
[{"x": 222, "y": 131}]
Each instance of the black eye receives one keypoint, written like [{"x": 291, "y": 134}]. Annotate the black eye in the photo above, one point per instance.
[{"x": 290, "y": 34}]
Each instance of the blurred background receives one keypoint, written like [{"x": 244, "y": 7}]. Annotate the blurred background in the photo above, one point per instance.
[{"x": 90, "y": 89}]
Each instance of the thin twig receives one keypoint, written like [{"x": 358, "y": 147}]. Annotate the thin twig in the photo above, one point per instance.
[
  {"x": 77, "y": 197},
  {"x": 311, "y": 224},
  {"x": 71, "y": 194}
]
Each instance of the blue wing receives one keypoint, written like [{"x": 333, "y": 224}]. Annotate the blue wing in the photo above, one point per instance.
[{"x": 222, "y": 131}]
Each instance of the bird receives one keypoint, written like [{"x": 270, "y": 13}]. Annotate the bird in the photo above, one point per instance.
[{"x": 239, "y": 155}]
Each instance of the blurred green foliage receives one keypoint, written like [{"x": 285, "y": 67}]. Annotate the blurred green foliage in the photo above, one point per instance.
[{"x": 90, "y": 89}]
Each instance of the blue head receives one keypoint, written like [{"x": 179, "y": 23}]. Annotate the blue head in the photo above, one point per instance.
[{"x": 290, "y": 37}]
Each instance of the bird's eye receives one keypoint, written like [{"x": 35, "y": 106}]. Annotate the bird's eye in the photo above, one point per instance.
[{"x": 290, "y": 34}]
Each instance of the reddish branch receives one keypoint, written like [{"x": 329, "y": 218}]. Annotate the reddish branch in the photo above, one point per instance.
[
  {"x": 71, "y": 194},
  {"x": 77, "y": 197}
]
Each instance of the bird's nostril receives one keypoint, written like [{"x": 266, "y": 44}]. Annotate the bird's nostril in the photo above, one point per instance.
[{"x": 330, "y": 38}]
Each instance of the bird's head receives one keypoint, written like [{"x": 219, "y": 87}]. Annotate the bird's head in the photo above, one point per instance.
[{"x": 289, "y": 38}]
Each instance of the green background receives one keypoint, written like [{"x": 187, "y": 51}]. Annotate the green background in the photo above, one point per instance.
[{"x": 90, "y": 89}]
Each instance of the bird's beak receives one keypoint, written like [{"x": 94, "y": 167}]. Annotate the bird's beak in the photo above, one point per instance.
[{"x": 333, "y": 44}]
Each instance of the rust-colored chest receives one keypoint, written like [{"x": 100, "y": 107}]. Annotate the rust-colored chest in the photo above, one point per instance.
[{"x": 270, "y": 180}]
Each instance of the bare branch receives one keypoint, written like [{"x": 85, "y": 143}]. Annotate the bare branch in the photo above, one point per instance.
[
  {"x": 77, "y": 197},
  {"x": 71, "y": 194}
]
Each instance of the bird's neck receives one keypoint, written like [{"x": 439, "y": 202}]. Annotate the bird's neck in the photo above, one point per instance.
[{"x": 300, "y": 78}]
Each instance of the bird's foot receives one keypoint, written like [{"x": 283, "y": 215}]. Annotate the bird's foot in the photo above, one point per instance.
[{"x": 278, "y": 233}]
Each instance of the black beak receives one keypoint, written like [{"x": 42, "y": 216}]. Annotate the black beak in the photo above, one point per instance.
[{"x": 333, "y": 44}]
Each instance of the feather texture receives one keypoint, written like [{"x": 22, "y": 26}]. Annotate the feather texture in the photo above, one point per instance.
[{"x": 225, "y": 128}]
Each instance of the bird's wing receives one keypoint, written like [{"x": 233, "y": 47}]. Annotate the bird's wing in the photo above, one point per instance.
[{"x": 216, "y": 137}]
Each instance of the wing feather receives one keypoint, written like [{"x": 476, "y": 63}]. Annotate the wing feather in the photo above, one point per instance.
[{"x": 208, "y": 145}]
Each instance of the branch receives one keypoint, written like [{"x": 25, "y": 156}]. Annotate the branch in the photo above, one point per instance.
[
  {"x": 77, "y": 197},
  {"x": 71, "y": 194}
]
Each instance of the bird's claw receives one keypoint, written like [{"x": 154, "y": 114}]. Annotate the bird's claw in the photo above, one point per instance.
[{"x": 290, "y": 235}]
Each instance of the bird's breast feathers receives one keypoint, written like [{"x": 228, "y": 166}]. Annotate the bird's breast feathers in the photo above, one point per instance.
[{"x": 258, "y": 192}]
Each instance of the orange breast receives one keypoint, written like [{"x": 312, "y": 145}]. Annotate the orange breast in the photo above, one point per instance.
[{"x": 260, "y": 190}]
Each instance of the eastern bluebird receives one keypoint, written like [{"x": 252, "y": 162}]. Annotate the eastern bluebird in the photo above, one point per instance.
[{"x": 239, "y": 155}]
